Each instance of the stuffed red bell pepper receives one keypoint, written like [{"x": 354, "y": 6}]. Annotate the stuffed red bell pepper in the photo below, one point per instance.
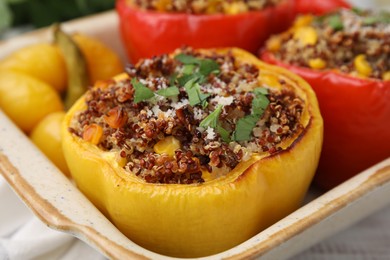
[
  {"x": 345, "y": 56},
  {"x": 155, "y": 27}
]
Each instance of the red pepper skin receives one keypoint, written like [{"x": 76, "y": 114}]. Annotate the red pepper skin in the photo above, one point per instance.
[
  {"x": 356, "y": 116},
  {"x": 319, "y": 7},
  {"x": 149, "y": 33}
]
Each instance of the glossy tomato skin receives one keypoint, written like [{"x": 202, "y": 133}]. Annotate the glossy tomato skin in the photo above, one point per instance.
[
  {"x": 149, "y": 33},
  {"x": 319, "y": 6},
  {"x": 356, "y": 116}
]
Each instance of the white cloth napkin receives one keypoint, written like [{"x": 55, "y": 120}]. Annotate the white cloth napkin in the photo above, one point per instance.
[{"x": 23, "y": 236}]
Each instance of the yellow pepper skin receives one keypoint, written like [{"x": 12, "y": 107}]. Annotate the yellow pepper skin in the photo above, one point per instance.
[{"x": 202, "y": 219}]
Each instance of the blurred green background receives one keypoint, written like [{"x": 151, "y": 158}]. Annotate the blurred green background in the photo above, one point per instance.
[{"x": 39, "y": 13}]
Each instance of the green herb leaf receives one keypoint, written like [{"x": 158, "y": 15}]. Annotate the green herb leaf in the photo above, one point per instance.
[
  {"x": 259, "y": 104},
  {"x": 244, "y": 128},
  {"x": 188, "y": 69},
  {"x": 246, "y": 124},
  {"x": 195, "y": 95},
  {"x": 225, "y": 135},
  {"x": 186, "y": 78},
  {"x": 172, "y": 79},
  {"x": 212, "y": 119},
  {"x": 187, "y": 59},
  {"x": 205, "y": 103},
  {"x": 142, "y": 93},
  {"x": 370, "y": 20},
  {"x": 168, "y": 92},
  {"x": 357, "y": 10},
  {"x": 260, "y": 91},
  {"x": 379, "y": 18},
  {"x": 208, "y": 66},
  {"x": 260, "y": 101},
  {"x": 319, "y": 19},
  {"x": 335, "y": 22}
]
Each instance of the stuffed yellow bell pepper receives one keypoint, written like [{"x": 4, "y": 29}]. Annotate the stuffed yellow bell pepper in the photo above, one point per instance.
[{"x": 192, "y": 153}]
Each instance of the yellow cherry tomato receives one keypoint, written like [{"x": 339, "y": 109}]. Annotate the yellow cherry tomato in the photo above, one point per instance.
[
  {"x": 102, "y": 62},
  {"x": 27, "y": 100},
  {"x": 47, "y": 137},
  {"x": 42, "y": 61}
]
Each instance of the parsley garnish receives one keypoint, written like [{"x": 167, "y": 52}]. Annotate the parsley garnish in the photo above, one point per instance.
[
  {"x": 142, "y": 93},
  {"x": 379, "y": 18},
  {"x": 188, "y": 69},
  {"x": 244, "y": 127},
  {"x": 246, "y": 124},
  {"x": 195, "y": 72},
  {"x": 187, "y": 77},
  {"x": 260, "y": 102},
  {"x": 370, "y": 20},
  {"x": 357, "y": 10},
  {"x": 195, "y": 95},
  {"x": 212, "y": 120},
  {"x": 260, "y": 91},
  {"x": 225, "y": 135},
  {"x": 187, "y": 59},
  {"x": 335, "y": 22},
  {"x": 172, "y": 79},
  {"x": 168, "y": 92},
  {"x": 206, "y": 66}
]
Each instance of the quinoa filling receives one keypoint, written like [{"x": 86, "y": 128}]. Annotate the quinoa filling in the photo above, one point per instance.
[
  {"x": 177, "y": 118},
  {"x": 203, "y": 6},
  {"x": 352, "y": 41}
]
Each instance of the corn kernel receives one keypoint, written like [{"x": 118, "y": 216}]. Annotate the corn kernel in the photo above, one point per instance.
[
  {"x": 274, "y": 43},
  {"x": 235, "y": 8},
  {"x": 317, "y": 63},
  {"x": 386, "y": 75},
  {"x": 121, "y": 77},
  {"x": 303, "y": 20},
  {"x": 270, "y": 80},
  {"x": 161, "y": 5},
  {"x": 307, "y": 35},
  {"x": 212, "y": 7},
  {"x": 362, "y": 66},
  {"x": 93, "y": 133},
  {"x": 121, "y": 161},
  {"x": 168, "y": 146}
]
